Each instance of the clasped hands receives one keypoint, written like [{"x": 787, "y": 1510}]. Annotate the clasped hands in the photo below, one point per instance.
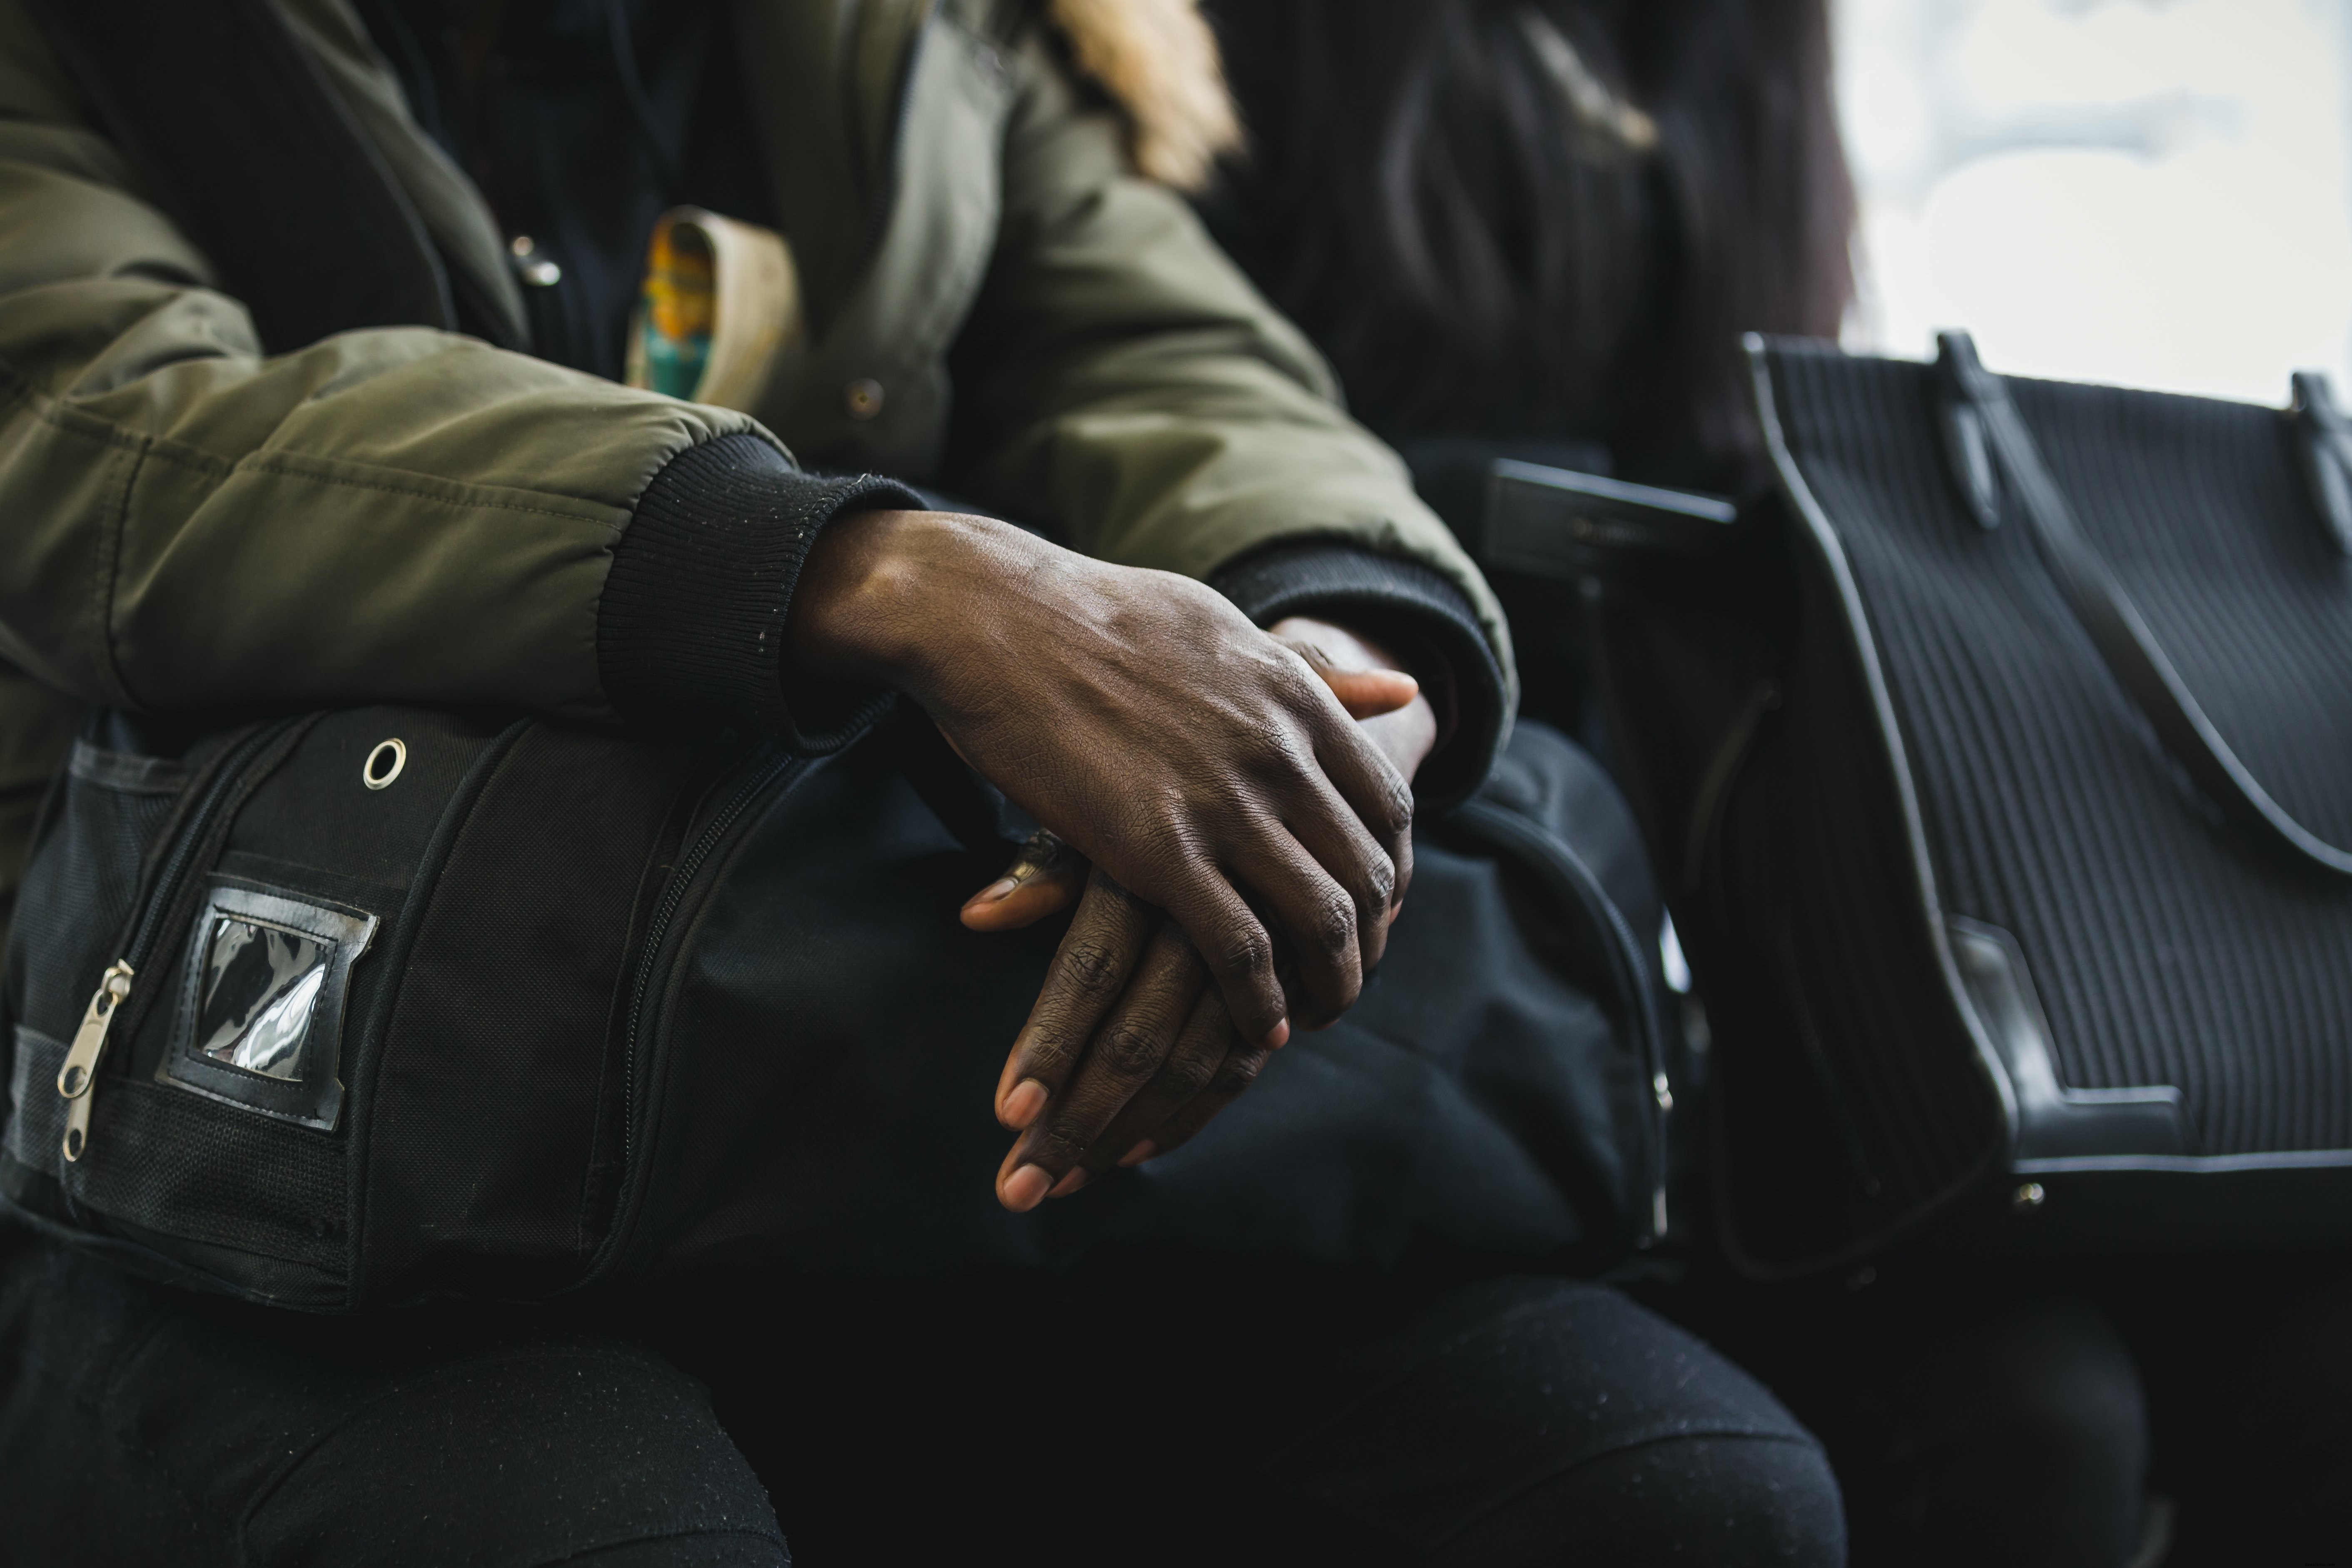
[{"x": 1234, "y": 809}]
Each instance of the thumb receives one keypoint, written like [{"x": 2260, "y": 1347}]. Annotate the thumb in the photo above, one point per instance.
[
  {"x": 1364, "y": 693},
  {"x": 1369, "y": 694},
  {"x": 1044, "y": 879}
]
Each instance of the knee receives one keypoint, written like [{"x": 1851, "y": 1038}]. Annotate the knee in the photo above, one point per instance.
[
  {"x": 528, "y": 1453},
  {"x": 1730, "y": 1500}
]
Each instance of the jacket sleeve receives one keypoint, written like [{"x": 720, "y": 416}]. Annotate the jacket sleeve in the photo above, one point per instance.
[
  {"x": 398, "y": 515},
  {"x": 1120, "y": 381}
]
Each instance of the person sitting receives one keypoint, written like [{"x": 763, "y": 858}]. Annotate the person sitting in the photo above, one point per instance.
[
  {"x": 316, "y": 324},
  {"x": 1538, "y": 229}
]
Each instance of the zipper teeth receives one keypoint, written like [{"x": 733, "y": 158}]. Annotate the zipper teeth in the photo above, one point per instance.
[
  {"x": 657, "y": 930},
  {"x": 1637, "y": 975},
  {"x": 167, "y": 886}
]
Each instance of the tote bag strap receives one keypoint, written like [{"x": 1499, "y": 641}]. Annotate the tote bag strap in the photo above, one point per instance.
[{"x": 2129, "y": 648}]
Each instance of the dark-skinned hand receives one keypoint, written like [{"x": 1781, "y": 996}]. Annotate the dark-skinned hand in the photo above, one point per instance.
[
  {"x": 1129, "y": 1051},
  {"x": 1199, "y": 762}
]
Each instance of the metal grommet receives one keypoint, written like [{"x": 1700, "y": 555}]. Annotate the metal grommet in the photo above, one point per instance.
[
  {"x": 384, "y": 763},
  {"x": 863, "y": 398}
]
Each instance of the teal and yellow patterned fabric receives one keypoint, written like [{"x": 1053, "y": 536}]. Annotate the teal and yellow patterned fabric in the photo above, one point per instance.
[{"x": 679, "y": 310}]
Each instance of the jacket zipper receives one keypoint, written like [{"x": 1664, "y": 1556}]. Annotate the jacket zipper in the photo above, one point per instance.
[
  {"x": 78, "y": 1078},
  {"x": 1633, "y": 975},
  {"x": 681, "y": 880}
]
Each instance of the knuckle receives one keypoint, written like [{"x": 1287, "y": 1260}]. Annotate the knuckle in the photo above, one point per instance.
[
  {"x": 1241, "y": 1071},
  {"x": 1059, "y": 1146},
  {"x": 1130, "y": 1049},
  {"x": 1334, "y": 928},
  {"x": 1281, "y": 754},
  {"x": 1246, "y": 951},
  {"x": 1396, "y": 805},
  {"x": 1087, "y": 965},
  {"x": 1048, "y": 1057},
  {"x": 1187, "y": 1076}
]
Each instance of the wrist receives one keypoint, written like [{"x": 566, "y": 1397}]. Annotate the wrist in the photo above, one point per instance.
[{"x": 866, "y": 610}]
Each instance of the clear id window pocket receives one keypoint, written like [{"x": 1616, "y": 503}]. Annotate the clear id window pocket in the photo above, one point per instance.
[
  {"x": 255, "y": 998},
  {"x": 260, "y": 1016}
]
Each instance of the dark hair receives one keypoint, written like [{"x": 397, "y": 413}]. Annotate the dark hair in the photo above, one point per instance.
[{"x": 1543, "y": 217}]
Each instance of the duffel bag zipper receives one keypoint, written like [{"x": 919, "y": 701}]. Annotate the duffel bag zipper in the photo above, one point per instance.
[
  {"x": 78, "y": 1078},
  {"x": 764, "y": 774},
  {"x": 1633, "y": 977}
]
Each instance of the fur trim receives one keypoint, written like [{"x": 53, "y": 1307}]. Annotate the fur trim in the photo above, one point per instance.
[{"x": 1158, "y": 59}]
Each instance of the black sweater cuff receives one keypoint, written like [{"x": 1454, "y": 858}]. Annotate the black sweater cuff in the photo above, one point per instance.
[
  {"x": 690, "y": 628},
  {"x": 1427, "y": 620}
]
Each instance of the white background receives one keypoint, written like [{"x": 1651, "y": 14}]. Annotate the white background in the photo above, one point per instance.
[{"x": 2150, "y": 191}]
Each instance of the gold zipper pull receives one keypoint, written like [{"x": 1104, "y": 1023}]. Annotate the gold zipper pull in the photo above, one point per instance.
[{"x": 81, "y": 1070}]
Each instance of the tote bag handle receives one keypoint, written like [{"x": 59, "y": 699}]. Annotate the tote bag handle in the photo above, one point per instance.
[{"x": 2129, "y": 648}]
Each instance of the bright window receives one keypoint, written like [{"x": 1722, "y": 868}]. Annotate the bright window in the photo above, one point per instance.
[{"x": 2148, "y": 192}]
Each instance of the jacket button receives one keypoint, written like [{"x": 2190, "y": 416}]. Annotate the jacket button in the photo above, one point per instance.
[{"x": 863, "y": 398}]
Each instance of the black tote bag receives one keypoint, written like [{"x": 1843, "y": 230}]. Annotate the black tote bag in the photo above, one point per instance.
[{"x": 2000, "y": 771}]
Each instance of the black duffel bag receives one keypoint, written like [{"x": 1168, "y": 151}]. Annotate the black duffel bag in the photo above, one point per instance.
[
  {"x": 394, "y": 1006},
  {"x": 2000, "y": 770}
]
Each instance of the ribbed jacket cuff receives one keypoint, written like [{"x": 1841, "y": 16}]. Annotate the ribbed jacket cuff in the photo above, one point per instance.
[
  {"x": 1425, "y": 619},
  {"x": 690, "y": 628}
]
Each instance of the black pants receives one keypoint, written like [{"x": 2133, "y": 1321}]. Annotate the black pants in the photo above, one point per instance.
[
  {"x": 1506, "y": 1422},
  {"x": 2074, "y": 1420}
]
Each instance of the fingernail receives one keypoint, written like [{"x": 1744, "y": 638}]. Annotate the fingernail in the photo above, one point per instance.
[
  {"x": 1139, "y": 1153},
  {"x": 1275, "y": 1036},
  {"x": 1022, "y": 1106},
  {"x": 1025, "y": 1188},
  {"x": 1072, "y": 1180},
  {"x": 995, "y": 892}
]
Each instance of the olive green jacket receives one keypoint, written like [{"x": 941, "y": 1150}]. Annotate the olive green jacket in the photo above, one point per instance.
[{"x": 188, "y": 526}]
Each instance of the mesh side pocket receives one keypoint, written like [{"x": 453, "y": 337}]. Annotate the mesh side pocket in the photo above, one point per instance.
[
  {"x": 37, "y": 1124},
  {"x": 265, "y": 1199},
  {"x": 79, "y": 889},
  {"x": 76, "y": 897}
]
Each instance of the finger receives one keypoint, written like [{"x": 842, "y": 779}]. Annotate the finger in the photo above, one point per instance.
[
  {"x": 1365, "y": 690},
  {"x": 1319, "y": 923},
  {"x": 1329, "y": 830},
  {"x": 1123, "y": 1056},
  {"x": 1186, "y": 1073},
  {"x": 1369, "y": 693},
  {"x": 1230, "y": 939},
  {"x": 1046, "y": 878},
  {"x": 1376, "y": 791},
  {"x": 1089, "y": 969},
  {"x": 1364, "y": 693},
  {"x": 1235, "y": 1073}
]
